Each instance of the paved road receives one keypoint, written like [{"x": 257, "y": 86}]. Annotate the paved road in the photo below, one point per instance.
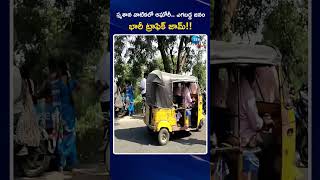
[
  {"x": 131, "y": 136},
  {"x": 84, "y": 172}
]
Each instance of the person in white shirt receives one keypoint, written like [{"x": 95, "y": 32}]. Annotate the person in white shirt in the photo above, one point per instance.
[
  {"x": 143, "y": 85},
  {"x": 143, "y": 88},
  {"x": 102, "y": 80}
]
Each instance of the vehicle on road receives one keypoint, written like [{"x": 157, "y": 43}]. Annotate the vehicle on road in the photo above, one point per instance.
[
  {"x": 276, "y": 157},
  {"x": 165, "y": 113}
]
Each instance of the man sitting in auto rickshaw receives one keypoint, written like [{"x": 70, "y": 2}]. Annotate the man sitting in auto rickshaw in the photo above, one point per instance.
[
  {"x": 251, "y": 124},
  {"x": 250, "y": 121}
]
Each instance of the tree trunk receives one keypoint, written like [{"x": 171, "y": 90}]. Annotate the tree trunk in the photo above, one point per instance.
[
  {"x": 185, "y": 57},
  {"x": 224, "y": 10},
  {"x": 180, "y": 50},
  {"x": 172, "y": 59},
  {"x": 165, "y": 58},
  {"x": 218, "y": 20}
]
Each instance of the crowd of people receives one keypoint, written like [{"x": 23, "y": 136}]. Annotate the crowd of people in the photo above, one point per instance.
[
  {"x": 52, "y": 106},
  {"x": 54, "y": 95},
  {"x": 124, "y": 99},
  {"x": 124, "y": 96}
]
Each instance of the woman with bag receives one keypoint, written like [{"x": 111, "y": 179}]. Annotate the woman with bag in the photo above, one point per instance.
[
  {"x": 118, "y": 101},
  {"x": 27, "y": 132}
]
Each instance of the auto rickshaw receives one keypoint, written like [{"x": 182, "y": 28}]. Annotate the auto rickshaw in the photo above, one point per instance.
[
  {"x": 228, "y": 62},
  {"x": 165, "y": 113}
]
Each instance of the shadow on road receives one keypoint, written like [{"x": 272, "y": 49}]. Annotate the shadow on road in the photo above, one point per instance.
[
  {"x": 191, "y": 141},
  {"x": 140, "y": 135}
]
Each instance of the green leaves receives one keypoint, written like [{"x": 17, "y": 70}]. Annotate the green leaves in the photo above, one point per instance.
[
  {"x": 135, "y": 55},
  {"x": 286, "y": 28},
  {"x": 240, "y": 17},
  {"x": 199, "y": 71},
  {"x": 67, "y": 30}
]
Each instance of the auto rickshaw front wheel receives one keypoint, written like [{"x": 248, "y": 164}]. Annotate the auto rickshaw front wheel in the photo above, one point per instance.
[{"x": 163, "y": 136}]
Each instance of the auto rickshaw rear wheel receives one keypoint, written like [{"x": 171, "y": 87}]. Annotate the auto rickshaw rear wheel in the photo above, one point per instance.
[{"x": 163, "y": 136}]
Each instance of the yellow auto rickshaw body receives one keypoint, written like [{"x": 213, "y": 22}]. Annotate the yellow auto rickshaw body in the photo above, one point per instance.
[
  {"x": 165, "y": 118},
  {"x": 161, "y": 112},
  {"x": 230, "y": 57}
]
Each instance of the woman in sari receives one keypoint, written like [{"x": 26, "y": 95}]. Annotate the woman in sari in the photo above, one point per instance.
[
  {"x": 67, "y": 141},
  {"x": 130, "y": 96}
]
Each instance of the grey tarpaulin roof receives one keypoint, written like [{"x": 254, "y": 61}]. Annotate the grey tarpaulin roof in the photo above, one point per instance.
[
  {"x": 224, "y": 53},
  {"x": 164, "y": 76},
  {"x": 159, "y": 87}
]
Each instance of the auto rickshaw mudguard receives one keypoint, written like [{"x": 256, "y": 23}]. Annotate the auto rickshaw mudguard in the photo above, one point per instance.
[
  {"x": 164, "y": 124},
  {"x": 164, "y": 118}
]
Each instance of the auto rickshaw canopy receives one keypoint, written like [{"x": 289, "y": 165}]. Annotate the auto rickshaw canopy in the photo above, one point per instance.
[
  {"x": 236, "y": 53},
  {"x": 160, "y": 90}
]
